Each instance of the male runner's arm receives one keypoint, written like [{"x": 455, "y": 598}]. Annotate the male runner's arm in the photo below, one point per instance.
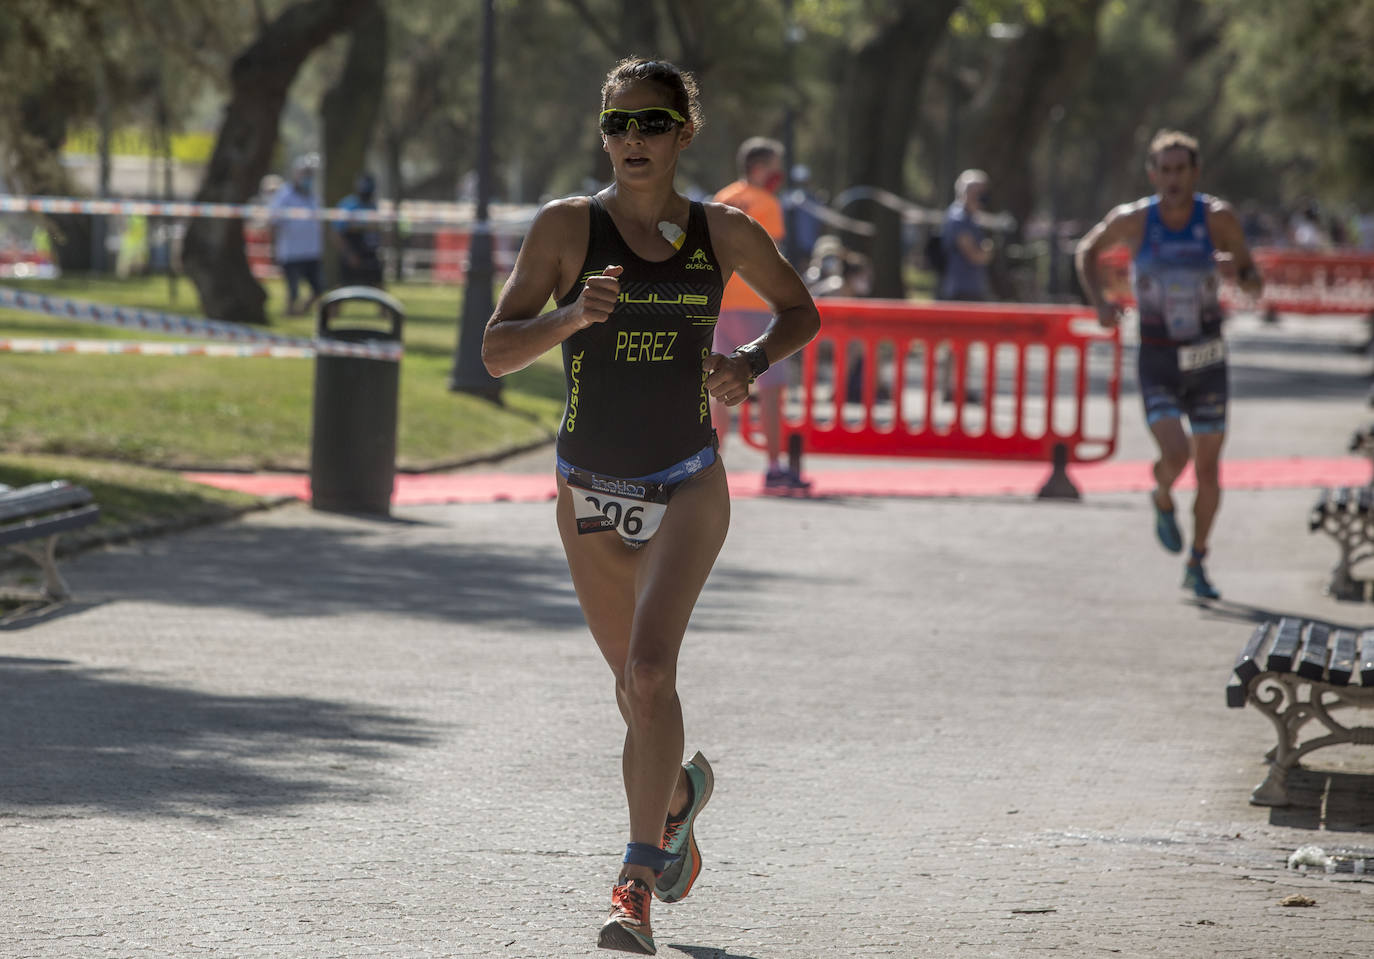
[
  {"x": 1229, "y": 238},
  {"x": 742, "y": 246},
  {"x": 1122, "y": 226},
  {"x": 519, "y": 332}
]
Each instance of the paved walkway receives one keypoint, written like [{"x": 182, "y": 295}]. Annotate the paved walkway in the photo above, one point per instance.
[{"x": 941, "y": 727}]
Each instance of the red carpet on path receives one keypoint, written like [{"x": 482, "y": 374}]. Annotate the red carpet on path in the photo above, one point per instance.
[{"x": 1005, "y": 479}]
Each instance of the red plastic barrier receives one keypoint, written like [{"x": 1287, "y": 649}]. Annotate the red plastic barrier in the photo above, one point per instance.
[
  {"x": 257, "y": 244},
  {"x": 1303, "y": 281},
  {"x": 1021, "y": 380},
  {"x": 450, "y": 256},
  {"x": 1295, "y": 281}
]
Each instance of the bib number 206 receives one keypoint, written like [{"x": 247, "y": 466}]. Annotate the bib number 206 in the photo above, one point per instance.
[
  {"x": 627, "y": 518},
  {"x": 633, "y": 518}
]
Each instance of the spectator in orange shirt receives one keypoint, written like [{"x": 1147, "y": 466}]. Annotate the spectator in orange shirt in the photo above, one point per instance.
[{"x": 743, "y": 313}]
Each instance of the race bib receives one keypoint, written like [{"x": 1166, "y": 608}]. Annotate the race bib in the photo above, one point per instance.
[
  {"x": 602, "y": 503},
  {"x": 1200, "y": 355},
  {"x": 1182, "y": 310}
]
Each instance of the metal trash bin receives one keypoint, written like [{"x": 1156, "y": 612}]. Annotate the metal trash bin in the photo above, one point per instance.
[{"x": 353, "y": 431}]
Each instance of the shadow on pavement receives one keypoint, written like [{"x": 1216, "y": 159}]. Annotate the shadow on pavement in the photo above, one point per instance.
[
  {"x": 1226, "y": 610},
  {"x": 1336, "y": 802},
  {"x": 25, "y": 615},
  {"x": 299, "y": 571},
  {"x": 287, "y": 571},
  {"x": 707, "y": 952},
  {"x": 1273, "y": 382},
  {"x": 73, "y": 737}
]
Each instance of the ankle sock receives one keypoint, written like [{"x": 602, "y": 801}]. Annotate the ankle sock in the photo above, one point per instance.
[{"x": 647, "y": 854}]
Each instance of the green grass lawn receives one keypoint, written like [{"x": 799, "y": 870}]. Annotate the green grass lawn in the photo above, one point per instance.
[{"x": 229, "y": 413}]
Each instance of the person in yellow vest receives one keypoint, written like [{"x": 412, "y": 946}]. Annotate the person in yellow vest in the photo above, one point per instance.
[{"x": 744, "y": 316}]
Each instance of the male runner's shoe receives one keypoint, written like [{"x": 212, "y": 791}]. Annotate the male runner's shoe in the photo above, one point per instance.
[
  {"x": 1166, "y": 528},
  {"x": 678, "y": 837},
  {"x": 628, "y": 927},
  {"x": 1195, "y": 579}
]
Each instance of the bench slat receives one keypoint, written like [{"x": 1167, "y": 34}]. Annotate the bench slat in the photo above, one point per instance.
[
  {"x": 1235, "y": 694},
  {"x": 1312, "y": 662},
  {"x": 49, "y": 525},
  {"x": 1366, "y": 500},
  {"x": 1285, "y": 646},
  {"x": 1342, "y": 499},
  {"x": 1367, "y": 658},
  {"x": 1342, "y": 657},
  {"x": 1247, "y": 663},
  {"x": 40, "y": 498}
]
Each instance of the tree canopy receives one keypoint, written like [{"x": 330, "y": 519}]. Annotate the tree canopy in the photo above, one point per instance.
[{"x": 1055, "y": 98}]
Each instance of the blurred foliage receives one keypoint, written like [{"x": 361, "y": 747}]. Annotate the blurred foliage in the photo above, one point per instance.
[{"x": 1279, "y": 91}]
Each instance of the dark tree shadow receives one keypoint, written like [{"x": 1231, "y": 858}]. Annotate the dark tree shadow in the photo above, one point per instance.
[
  {"x": 286, "y": 571},
  {"x": 74, "y": 737}
]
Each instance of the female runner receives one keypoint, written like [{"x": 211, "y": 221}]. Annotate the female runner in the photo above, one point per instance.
[{"x": 643, "y": 505}]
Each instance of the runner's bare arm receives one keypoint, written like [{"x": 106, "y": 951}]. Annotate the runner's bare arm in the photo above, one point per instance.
[
  {"x": 519, "y": 332},
  {"x": 744, "y": 247},
  {"x": 1122, "y": 226},
  {"x": 1229, "y": 238}
]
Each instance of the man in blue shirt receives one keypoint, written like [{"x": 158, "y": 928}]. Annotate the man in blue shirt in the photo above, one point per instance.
[
  {"x": 968, "y": 250},
  {"x": 1178, "y": 238},
  {"x": 360, "y": 243}
]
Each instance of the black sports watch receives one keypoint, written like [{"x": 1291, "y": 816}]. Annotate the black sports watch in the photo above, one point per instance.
[{"x": 757, "y": 359}]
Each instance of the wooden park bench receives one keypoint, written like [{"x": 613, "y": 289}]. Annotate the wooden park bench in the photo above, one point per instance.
[
  {"x": 31, "y": 519},
  {"x": 1346, "y": 514},
  {"x": 1362, "y": 443},
  {"x": 1295, "y": 672}
]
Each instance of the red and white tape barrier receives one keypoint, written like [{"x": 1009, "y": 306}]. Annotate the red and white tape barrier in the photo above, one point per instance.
[
  {"x": 513, "y": 221},
  {"x": 153, "y": 321},
  {"x": 128, "y": 347}
]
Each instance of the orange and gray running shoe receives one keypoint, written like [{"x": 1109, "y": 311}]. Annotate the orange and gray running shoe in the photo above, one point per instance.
[
  {"x": 628, "y": 929},
  {"x": 679, "y": 839}
]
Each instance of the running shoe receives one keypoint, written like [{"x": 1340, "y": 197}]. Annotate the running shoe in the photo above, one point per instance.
[
  {"x": 784, "y": 481},
  {"x": 678, "y": 838},
  {"x": 1166, "y": 528},
  {"x": 1195, "y": 579},
  {"x": 627, "y": 929}
]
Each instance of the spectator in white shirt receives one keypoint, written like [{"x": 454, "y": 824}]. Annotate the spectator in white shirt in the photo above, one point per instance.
[{"x": 297, "y": 241}]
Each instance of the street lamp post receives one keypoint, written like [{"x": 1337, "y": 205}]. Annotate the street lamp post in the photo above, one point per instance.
[{"x": 469, "y": 373}]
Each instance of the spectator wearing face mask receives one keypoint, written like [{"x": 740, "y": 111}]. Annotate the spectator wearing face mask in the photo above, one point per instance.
[
  {"x": 744, "y": 315},
  {"x": 297, "y": 243},
  {"x": 360, "y": 243},
  {"x": 968, "y": 249}
]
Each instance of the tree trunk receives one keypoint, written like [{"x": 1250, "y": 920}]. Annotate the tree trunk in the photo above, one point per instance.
[
  {"x": 213, "y": 253},
  {"x": 1121, "y": 158},
  {"x": 1041, "y": 70},
  {"x": 887, "y": 71},
  {"x": 350, "y": 111}
]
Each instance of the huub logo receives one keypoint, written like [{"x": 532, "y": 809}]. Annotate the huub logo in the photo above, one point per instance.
[{"x": 699, "y": 261}]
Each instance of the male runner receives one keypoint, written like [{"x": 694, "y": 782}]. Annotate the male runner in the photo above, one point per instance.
[{"x": 1177, "y": 238}]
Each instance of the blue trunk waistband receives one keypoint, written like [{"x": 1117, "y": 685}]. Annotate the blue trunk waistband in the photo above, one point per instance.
[{"x": 674, "y": 474}]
